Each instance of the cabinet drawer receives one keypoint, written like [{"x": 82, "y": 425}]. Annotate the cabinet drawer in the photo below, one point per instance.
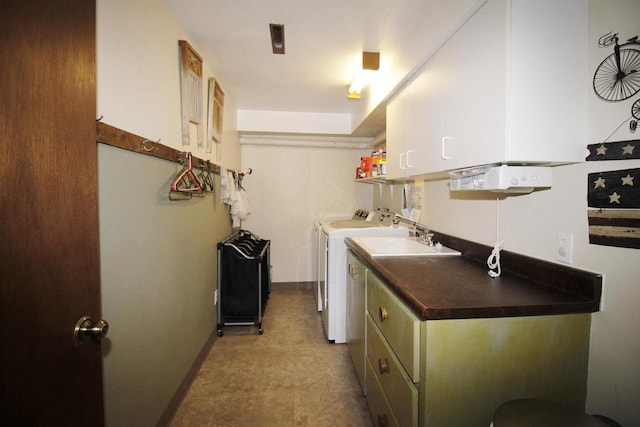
[
  {"x": 379, "y": 407},
  {"x": 398, "y": 387},
  {"x": 398, "y": 324}
]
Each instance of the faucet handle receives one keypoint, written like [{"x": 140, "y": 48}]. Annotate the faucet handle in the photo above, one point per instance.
[{"x": 426, "y": 236}]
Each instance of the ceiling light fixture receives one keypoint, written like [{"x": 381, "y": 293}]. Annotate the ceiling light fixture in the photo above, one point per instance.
[
  {"x": 277, "y": 38},
  {"x": 370, "y": 62}
]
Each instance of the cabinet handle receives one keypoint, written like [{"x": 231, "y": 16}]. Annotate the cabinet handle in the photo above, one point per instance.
[
  {"x": 409, "y": 165},
  {"x": 383, "y": 314},
  {"x": 354, "y": 271},
  {"x": 401, "y": 163},
  {"x": 383, "y": 366},
  {"x": 444, "y": 150}
]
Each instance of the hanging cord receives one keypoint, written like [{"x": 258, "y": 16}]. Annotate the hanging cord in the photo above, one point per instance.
[
  {"x": 494, "y": 259},
  {"x": 616, "y": 130}
]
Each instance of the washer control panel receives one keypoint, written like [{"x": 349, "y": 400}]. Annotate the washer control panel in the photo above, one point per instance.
[
  {"x": 384, "y": 219},
  {"x": 362, "y": 214}
]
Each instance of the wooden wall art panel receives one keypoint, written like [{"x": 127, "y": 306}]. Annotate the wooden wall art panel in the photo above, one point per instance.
[
  {"x": 614, "y": 227},
  {"x": 620, "y": 150},
  {"x": 617, "y": 195},
  {"x": 614, "y": 189}
]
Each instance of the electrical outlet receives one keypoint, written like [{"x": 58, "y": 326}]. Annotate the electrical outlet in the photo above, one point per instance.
[{"x": 564, "y": 247}]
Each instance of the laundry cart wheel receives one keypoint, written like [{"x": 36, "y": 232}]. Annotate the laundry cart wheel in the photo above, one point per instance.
[
  {"x": 260, "y": 330},
  {"x": 220, "y": 332}
]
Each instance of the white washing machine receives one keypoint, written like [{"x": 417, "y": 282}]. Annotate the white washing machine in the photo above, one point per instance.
[{"x": 332, "y": 263}]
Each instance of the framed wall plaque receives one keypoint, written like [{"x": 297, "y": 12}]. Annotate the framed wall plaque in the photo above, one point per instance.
[
  {"x": 215, "y": 114},
  {"x": 191, "y": 94}
]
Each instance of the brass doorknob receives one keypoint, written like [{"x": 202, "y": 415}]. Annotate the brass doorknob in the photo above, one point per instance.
[{"x": 87, "y": 328}]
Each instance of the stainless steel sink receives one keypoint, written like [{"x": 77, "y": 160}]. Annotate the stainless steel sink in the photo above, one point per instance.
[{"x": 401, "y": 246}]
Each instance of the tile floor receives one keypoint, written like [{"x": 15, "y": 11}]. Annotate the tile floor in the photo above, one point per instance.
[{"x": 289, "y": 376}]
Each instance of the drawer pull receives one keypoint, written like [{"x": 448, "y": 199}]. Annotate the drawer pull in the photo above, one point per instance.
[
  {"x": 382, "y": 420},
  {"x": 383, "y": 366},
  {"x": 383, "y": 314}
]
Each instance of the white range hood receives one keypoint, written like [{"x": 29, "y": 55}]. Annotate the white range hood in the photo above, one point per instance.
[{"x": 501, "y": 178}]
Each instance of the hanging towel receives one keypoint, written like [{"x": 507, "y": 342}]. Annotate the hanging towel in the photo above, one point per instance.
[
  {"x": 225, "y": 186},
  {"x": 232, "y": 194},
  {"x": 239, "y": 207}
]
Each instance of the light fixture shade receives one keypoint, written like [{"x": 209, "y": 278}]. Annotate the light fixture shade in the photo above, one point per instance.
[{"x": 370, "y": 63}]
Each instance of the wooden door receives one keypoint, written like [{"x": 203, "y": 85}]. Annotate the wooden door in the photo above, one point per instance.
[{"x": 49, "y": 271}]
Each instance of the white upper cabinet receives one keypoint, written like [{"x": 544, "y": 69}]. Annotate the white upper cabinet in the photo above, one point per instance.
[
  {"x": 509, "y": 87},
  {"x": 414, "y": 122}
]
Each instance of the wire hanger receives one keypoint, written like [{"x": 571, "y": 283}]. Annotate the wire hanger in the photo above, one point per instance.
[
  {"x": 186, "y": 183},
  {"x": 205, "y": 176}
]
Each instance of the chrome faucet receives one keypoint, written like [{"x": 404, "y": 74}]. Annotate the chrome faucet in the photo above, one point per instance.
[
  {"x": 420, "y": 231},
  {"x": 425, "y": 236}
]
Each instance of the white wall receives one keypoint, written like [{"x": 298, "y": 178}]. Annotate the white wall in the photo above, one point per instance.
[
  {"x": 528, "y": 224},
  {"x": 139, "y": 74},
  {"x": 158, "y": 258},
  {"x": 290, "y": 188}
]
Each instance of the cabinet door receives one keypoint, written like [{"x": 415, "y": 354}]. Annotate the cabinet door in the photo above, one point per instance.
[
  {"x": 504, "y": 100},
  {"x": 472, "y": 366},
  {"x": 423, "y": 154},
  {"x": 356, "y": 313},
  {"x": 550, "y": 76},
  {"x": 414, "y": 127},
  {"x": 397, "y": 128},
  {"x": 474, "y": 87}
]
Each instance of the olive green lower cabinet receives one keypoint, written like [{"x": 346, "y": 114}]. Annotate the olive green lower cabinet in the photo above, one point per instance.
[
  {"x": 457, "y": 372},
  {"x": 356, "y": 312}
]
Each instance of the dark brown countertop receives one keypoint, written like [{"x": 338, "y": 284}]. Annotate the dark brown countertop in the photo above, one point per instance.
[{"x": 458, "y": 287}]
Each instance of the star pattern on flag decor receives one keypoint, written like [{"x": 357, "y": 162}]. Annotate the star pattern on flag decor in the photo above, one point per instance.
[
  {"x": 599, "y": 183},
  {"x": 601, "y": 150},
  {"x": 614, "y": 188},
  {"x": 614, "y": 198},
  {"x": 621, "y": 150},
  {"x": 628, "y": 149}
]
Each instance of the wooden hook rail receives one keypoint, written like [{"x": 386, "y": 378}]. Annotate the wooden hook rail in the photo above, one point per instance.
[{"x": 111, "y": 135}]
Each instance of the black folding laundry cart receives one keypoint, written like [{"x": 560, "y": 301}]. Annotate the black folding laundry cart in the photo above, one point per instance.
[{"x": 244, "y": 280}]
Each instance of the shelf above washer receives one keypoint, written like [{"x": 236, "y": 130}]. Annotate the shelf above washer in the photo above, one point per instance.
[{"x": 375, "y": 180}]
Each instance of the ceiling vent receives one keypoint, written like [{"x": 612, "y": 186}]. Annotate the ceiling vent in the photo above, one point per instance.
[{"x": 277, "y": 38}]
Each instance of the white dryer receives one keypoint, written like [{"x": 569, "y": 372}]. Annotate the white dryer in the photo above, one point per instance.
[{"x": 332, "y": 263}]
